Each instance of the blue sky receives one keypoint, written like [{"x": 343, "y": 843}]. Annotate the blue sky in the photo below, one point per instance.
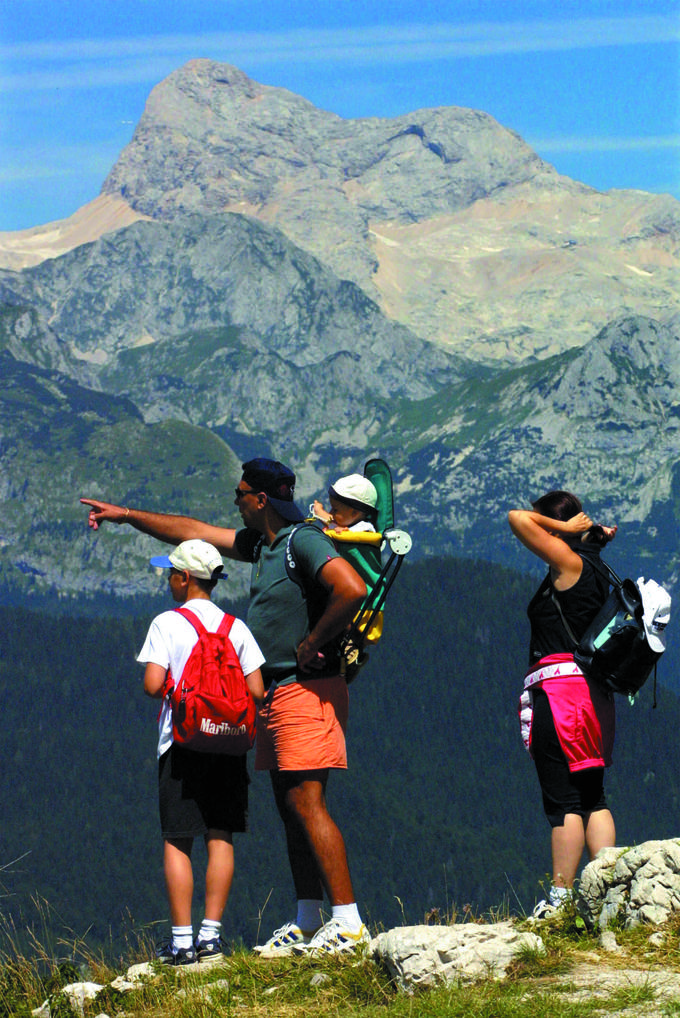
[{"x": 592, "y": 85}]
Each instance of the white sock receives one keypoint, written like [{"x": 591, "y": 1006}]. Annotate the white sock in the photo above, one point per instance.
[
  {"x": 182, "y": 937},
  {"x": 210, "y": 930},
  {"x": 349, "y": 916},
  {"x": 309, "y": 914}
]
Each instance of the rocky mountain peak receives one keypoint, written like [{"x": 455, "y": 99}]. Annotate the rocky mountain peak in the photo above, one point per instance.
[
  {"x": 446, "y": 219},
  {"x": 211, "y": 138}
]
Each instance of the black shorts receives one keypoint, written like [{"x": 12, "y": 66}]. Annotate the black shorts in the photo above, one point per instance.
[
  {"x": 564, "y": 791},
  {"x": 198, "y": 792}
]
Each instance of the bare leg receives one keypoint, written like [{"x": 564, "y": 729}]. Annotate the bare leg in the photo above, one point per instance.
[
  {"x": 219, "y": 873},
  {"x": 568, "y": 843},
  {"x": 179, "y": 879},
  {"x": 316, "y": 849},
  {"x": 600, "y": 831}
]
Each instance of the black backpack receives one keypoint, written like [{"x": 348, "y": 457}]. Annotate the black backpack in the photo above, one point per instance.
[{"x": 614, "y": 650}]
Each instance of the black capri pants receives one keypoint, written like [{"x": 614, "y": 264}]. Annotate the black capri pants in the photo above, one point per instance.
[{"x": 580, "y": 792}]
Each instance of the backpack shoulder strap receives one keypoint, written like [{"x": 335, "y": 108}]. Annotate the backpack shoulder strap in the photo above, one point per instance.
[
  {"x": 192, "y": 618},
  {"x": 604, "y": 569},
  {"x": 257, "y": 548},
  {"x": 567, "y": 628},
  {"x": 292, "y": 568},
  {"x": 225, "y": 625},
  {"x": 600, "y": 567}
]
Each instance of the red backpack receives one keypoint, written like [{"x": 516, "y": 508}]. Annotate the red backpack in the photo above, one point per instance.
[{"x": 212, "y": 708}]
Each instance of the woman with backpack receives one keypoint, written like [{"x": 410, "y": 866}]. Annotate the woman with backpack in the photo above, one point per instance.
[{"x": 567, "y": 723}]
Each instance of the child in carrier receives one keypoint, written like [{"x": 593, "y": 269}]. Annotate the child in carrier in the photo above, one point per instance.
[
  {"x": 354, "y": 503},
  {"x": 351, "y": 526},
  {"x": 361, "y": 525},
  {"x": 200, "y": 793},
  {"x": 352, "y": 517}
]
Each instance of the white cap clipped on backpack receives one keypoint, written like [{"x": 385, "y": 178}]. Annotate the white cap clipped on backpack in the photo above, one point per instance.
[
  {"x": 197, "y": 557},
  {"x": 656, "y": 612}
]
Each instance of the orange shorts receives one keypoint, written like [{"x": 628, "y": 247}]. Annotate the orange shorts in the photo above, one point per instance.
[{"x": 303, "y": 728}]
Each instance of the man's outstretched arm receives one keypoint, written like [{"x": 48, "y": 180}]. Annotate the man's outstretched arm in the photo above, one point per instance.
[{"x": 163, "y": 526}]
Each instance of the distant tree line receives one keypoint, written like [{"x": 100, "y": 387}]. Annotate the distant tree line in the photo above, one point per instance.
[{"x": 440, "y": 806}]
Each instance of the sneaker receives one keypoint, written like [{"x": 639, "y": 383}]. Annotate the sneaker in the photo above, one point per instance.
[
  {"x": 208, "y": 950},
  {"x": 333, "y": 938},
  {"x": 168, "y": 955},
  {"x": 282, "y": 942},
  {"x": 544, "y": 909}
]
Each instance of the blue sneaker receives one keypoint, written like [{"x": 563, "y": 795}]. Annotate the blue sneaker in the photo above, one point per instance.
[
  {"x": 169, "y": 955},
  {"x": 207, "y": 950}
]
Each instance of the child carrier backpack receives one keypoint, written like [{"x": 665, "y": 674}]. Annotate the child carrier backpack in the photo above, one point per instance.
[
  {"x": 212, "y": 708},
  {"x": 624, "y": 641},
  {"x": 347, "y": 652}
]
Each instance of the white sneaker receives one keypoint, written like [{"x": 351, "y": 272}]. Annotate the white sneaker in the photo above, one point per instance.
[
  {"x": 543, "y": 910},
  {"x": 282, "y": 942},
  {"x": 333, "y": 938}
]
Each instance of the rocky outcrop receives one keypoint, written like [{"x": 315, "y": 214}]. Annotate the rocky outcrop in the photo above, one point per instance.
[
  {"x": 623, "y": 885},
  {"x": 418, "y": 956},
  {"x": 627, "y": 885},
  {"x": 633, "y": 885},
  {"x": 76, "y": 996}
]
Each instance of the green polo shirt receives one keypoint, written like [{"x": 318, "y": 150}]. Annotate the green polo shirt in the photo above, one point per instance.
[{"x": 279, "y": 615}]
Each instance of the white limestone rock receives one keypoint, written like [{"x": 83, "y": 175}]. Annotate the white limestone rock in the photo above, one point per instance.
[
  {"x": 635, "y": 885},
  {"x": 77, "y": 995},
  {"x": 134, "y": 976},
  {"x": 429, "y": 955}
]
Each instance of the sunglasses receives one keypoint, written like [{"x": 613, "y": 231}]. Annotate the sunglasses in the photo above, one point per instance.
[{"x": 240, "y": 492}]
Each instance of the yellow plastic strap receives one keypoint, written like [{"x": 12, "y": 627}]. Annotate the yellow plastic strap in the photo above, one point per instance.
[{"x": 355, "y": 536}]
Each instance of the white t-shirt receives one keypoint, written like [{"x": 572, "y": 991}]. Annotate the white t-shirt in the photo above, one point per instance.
[{"x": 170, "y": 640}]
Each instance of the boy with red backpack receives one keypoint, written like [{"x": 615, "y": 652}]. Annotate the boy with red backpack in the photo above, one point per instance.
[{"x": 202, "y": 774}]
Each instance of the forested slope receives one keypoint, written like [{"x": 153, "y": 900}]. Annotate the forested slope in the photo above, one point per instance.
[{"x": 440, "y": 806}]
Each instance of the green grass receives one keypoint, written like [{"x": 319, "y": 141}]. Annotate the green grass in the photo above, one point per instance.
[{"x": 539, "y": 985}]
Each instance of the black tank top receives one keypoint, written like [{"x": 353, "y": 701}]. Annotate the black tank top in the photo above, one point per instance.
[{"x": 579, "y": 605}]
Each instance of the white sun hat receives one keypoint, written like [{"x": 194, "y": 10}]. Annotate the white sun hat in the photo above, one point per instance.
[{"x": 355, "y": 490}]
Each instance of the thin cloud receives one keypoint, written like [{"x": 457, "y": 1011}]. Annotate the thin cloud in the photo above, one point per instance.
[
  {"x": 22, "y": 174},
  {"x": 605, "y": 144},
  {"x": 400, "y": 44},
  {"x": 87, "y": 76},
  {"x": 50, "y": 162}
]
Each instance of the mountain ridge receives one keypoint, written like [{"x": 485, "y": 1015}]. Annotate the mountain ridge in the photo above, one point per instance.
[
  {"x": 223, "y": 333},
  {"x": 443, "y": 216}
]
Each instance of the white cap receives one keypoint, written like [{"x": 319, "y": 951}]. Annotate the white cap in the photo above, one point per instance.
[
  {"x": 656, "y": 612},
  {"x": 199, "y": 558},
  {"x": 356, "y": 490}
]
